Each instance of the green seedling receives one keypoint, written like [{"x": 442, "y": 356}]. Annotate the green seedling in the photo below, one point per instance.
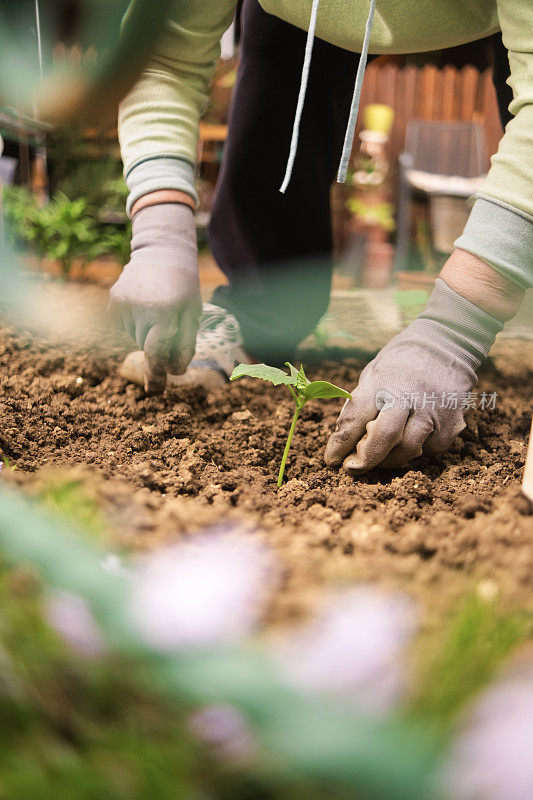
[{"x": 300, "y": 387}]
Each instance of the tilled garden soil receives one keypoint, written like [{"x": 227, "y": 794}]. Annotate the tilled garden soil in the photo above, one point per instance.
[{"x": 171, "y": 465}]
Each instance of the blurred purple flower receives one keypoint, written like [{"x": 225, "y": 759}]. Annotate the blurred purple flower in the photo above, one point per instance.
[
  {"x": 71, "y": 617},
  {"x": 493, "y": 758},
  {"x": 224, "y": 729},
  {"x": 207, "y": 591},
  {"x": 355, "y": 648}
]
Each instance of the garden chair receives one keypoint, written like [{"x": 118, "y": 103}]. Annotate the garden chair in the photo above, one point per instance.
[{"x": 440, "y": 158}]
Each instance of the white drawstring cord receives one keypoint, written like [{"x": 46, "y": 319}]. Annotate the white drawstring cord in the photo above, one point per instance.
[
  {"x": 354, "y": 110},
  {"x": 39, "y": 41},
  {"x": 41, "y": 149},
  {"x": 301, "y": 96}
]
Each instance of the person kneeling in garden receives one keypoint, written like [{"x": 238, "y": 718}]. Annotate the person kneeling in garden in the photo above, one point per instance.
[{"x": 295, "y": 94}]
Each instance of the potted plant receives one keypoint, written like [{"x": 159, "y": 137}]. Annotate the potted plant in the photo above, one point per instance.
[{"x": 376, "y": 221}]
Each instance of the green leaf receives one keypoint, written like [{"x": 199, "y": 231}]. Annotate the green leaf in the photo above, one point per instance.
[
  {"x": 293, "y": 370},
  {"x": 263, "y": 371},
  {"x": 323, "y": 390},
  {"x": 301, "y": 380}
]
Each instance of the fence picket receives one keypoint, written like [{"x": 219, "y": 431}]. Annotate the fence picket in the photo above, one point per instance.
[{"x": 430, "y": 93}]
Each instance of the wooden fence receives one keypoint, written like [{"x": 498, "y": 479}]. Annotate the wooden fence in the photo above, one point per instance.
[
  {"x": 433, "y": 94},
  {"x": 414, "y": 92},
  {"x": 427, "y": 92}
]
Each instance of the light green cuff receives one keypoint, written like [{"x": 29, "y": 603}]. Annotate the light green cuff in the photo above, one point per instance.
[
  {"x": 164, "y": 172},
  {"x": 502, "y": 237}
]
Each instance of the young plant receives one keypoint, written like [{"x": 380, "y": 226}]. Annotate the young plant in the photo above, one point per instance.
[
  {"x": 301, "y": 389},
  {"x": 67, "y": 232},
  {"x": 64, "y": 230}
]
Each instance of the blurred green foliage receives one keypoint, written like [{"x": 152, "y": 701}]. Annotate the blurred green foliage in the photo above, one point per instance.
[
  {"x": 378, "y": 214},
  {"x": 64, "y": 230},
  {"x": 465, "y": 655},
  {"x": 98, "y": 181},
  {"x": 74, "y": 728},
  {"x": 98, "y": 729},
  {"x": 73, "y": 500},
  {"x": 304, "y": 740},
  {"x": 114, "y": 727},
  {"x": 98, "y": 184},
  {"x": 85, "y": 219},
  {"x": 411, "y": 303}
]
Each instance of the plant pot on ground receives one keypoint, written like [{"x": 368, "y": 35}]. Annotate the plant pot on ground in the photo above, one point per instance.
[{"x": 378, "y": 267}]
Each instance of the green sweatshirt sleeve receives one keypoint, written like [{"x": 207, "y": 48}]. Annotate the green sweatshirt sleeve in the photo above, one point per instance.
[
  {"x": 158, "y": 120},
  {"x": 500, "y": 228}
]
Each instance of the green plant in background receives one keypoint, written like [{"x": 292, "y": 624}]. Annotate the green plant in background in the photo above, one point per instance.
[
  {"x": 68, "y": 232},
  {"x": 65, "y": 230},
  {"x": 75, "y": 173},
  {"x": 116, "y": 241},
  {"x": 116, "y": 193},
  {"x": 18, "y": 208},
  {"x": 328, "y": 329},
  {"x": 425, "y": 246},
  {"x": 301, "y": 389},
  {"x": 379, "y": 214},
  {"x": 99, "y": 183}
]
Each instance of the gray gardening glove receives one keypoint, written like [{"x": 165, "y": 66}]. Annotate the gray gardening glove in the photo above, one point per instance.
[
  {"x": 411, "y": 398},
  {"x": 158, "y": 292}
]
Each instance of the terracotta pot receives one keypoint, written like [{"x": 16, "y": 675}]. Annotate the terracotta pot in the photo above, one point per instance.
[
  {"x": 377, "y": 271},
  {"x": 375, "y": 234}
]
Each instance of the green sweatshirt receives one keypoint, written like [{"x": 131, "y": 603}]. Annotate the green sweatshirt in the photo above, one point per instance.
[{"x": 158, "y": 121}]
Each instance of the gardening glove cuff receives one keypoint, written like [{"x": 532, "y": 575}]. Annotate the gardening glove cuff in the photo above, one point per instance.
[
  {"x": 159, "y": 173},
  {"x": 164, "y": 235},
  {"x": 464, "y": 328}
]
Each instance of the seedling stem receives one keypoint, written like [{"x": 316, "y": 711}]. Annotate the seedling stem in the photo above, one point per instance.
[
  {"x": 300, "y": 387},
  {"x": 289, "y": 442}
]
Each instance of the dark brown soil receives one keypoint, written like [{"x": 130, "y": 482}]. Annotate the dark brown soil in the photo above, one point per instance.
[{"x": 169, "y": 465}]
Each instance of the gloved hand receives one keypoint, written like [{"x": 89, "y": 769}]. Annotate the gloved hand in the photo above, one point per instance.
[
  {"x": 410, "y": 399},
  {"x": 158, "y": 292}
]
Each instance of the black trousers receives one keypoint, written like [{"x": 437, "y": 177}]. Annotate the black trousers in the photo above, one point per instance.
[{"x": 275, "y": 249}]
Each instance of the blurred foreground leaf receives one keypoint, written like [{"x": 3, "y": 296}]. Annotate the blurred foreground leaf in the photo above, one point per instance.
[{"x": 309, "y": 736}]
